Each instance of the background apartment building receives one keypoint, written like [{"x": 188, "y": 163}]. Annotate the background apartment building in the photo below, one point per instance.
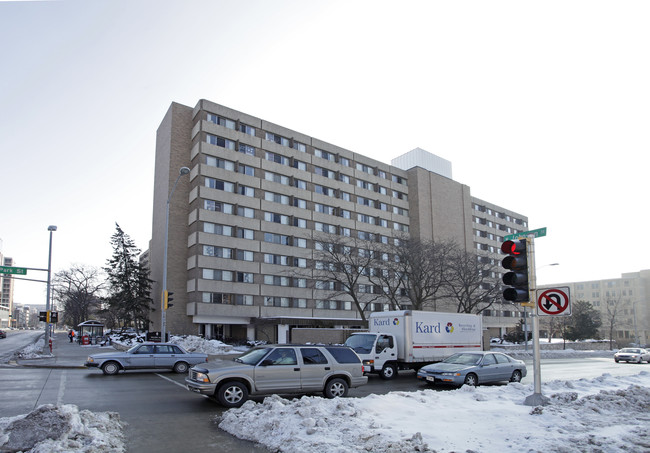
[
  {"x": 242, "y": 223},
  {"x": 622, "y": 303},
  {"x": 6, "y": 292}
]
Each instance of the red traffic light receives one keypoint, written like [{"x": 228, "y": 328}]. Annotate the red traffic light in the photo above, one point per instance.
[
  {"x": 514, "y": 247},
  {"x": 517, "y": 278}
]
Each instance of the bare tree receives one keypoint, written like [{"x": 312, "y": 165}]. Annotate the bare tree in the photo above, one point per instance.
[
  {"x": 79, "y": 289},
  {"x": 346, "y": 263},
  {"x": 417, "y": 269},
  {"x": 471, "y": 281},
  {"x": 611, "y": 317}
]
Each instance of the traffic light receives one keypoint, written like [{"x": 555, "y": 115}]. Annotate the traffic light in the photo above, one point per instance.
[
  {"x": 167, "y": 298},
  {"x": 517, "y": 278},
  {"x": 42, "y": 316},
  {"x": 54, "y": 317}
]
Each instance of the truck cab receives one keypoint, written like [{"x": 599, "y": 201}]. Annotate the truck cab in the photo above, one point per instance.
[{"x": 378, "y": 351}]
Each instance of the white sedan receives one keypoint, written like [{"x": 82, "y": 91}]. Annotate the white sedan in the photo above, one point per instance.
[{"x": 636, "y": 355}]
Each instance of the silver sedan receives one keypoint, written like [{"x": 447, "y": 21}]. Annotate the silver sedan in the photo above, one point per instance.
[
  {"x": 154, "y": 356},
  {"x": 473, "y": 368}
]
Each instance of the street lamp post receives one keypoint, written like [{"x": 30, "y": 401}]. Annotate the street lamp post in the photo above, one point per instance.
[
  {"x": 163, "y": 316},
  {"x": 51, "y": 229}
]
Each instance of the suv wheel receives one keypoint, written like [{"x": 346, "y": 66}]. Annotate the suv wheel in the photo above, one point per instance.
[
  {"x": 336, "y": 388},
  {"x": 232, "y": 394}
]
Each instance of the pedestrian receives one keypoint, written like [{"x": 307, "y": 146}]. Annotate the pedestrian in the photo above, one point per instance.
[{"x": 71, "y": 335}]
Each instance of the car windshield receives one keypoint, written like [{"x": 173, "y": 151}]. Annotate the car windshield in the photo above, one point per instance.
[
  {"x": 133, "y": 349},
  {"x": 361, "y": 343},
  {"x": 630, "y": 350},
  {"x": 253, "y": 356},
  {"x": 464, "y": 359}
]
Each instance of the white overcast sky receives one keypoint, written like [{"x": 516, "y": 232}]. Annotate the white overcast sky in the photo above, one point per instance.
[{"x": 557, "y": 89}]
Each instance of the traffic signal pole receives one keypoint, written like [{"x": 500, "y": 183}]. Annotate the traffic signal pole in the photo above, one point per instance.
[
  {"x": 521, "y": 288},
  {"x": 536, "y": 399}
]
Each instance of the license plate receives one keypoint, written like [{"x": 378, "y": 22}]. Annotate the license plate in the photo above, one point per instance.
[{"x": 431, "y": 378}]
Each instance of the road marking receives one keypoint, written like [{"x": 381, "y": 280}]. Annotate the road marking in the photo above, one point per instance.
[
  {"x": 174, "y": 382},
  {"x": 59, "y": 397},
  {"x": 170, "y": 380}
]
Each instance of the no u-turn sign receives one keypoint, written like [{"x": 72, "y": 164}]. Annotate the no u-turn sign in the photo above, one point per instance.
[{"x": 553, "y": 301}]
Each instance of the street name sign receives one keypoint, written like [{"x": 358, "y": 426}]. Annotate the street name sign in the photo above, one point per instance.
[
  {"x": 538, "y": 233},
  {"x": 13, "y": 270},
  {"x": 553, "y": 302}
]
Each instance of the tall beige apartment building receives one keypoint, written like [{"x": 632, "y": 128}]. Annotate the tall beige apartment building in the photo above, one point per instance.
[{"x": 242, "y": 222}]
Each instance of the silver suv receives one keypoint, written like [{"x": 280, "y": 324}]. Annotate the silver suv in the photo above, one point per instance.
[{"x": 284, "y": 369}]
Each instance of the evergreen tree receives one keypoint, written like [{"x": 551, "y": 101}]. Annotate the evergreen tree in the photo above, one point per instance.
[
  {"x": 129, "y": 285},
  {"x": 583, "y": 323}
]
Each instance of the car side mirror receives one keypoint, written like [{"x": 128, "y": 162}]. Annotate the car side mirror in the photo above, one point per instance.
[{"x": 266, "y": 362}]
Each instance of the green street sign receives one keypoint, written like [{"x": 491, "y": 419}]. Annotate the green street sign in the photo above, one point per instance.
[
  {"x": 13, "y": 270},
  {"x": 538, "y": 233}
]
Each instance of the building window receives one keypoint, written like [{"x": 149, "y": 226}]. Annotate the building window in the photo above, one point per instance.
[
  {"x": 246, "y": 149},
  {"x": 325, "y": 155},
  {"x": 246, "y": 170},
  {"x": 249, "y": 213},
  {"x": 244, "y": 255},
  {"x": 280, "y": 260},
  {"x": 277, "y": 198},
  {"x": 220, "y": 185},
  {"x": 218, "y": 252},
  {"x": 243, "y": 299},
  {"x": 216, "y": 119},
  {"x": 299, "y": 146},
  {"x": 220, "y": 141},
  {"x": 220, "y": 163},
  {"x": 325, "y": 209},
  {"x": 277, "y": 139},
  {"x": 277, "y": 301},
  {"x": 300, "y": 203},
  {"x": 277, "y": 218},
  {"x": 275, "y": 177},
  {"x": 277, "y": 238},
  {"x": 246, "y": 129},
  {"x": 245, "y": 233},
  {"x": 277, "y": 158},
  {"x": 213, "y": 228},
  {"x": 365, "y": 168}
]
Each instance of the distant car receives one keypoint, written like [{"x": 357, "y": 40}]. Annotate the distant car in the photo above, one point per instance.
[
  {"x": 3, "y": 334},
  {"x": 154, "y": 356},
  {"x": 283, "y": 369},
  {"x": 636, "y": 355},
  {"x": 473, "y": 368}
]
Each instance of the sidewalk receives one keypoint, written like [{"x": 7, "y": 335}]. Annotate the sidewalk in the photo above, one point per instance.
[{"x": 65, "y": 354}]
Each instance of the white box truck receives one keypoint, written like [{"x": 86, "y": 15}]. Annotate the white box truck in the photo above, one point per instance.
[{"x": 409, "y": 339}]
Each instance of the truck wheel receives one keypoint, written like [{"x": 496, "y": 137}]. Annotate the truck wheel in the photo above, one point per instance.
[
  {"x": 388, "y": 372},
  {"x": 232, "y": 394},
  {"x": 336, "y": 388}
]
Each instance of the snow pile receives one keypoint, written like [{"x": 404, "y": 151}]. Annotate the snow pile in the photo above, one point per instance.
[
  {"x": 51, "y": 429},
  {"x": 603, "y": 414},
  {"x": 34, "y": 351},
  {"x": 193, "y": 343}
]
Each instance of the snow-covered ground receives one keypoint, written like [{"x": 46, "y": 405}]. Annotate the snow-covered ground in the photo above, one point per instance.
[{"x": 606, "y": 414}]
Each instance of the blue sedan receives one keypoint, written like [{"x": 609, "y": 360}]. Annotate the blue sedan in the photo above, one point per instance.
[{"x": 472, "y": 368}]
